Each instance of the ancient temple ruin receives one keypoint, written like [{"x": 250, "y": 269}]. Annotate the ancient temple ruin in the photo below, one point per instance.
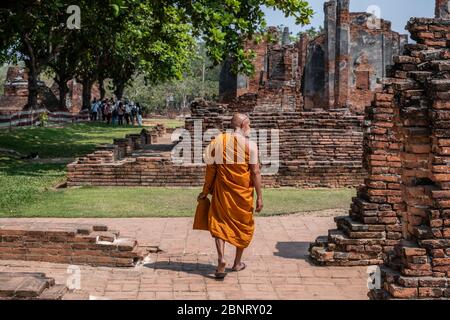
[
  {"x": 400, "y": 217},
  {"x": 312, "y": 92},
  {"x": 15, "y": 94},
  {"x": 13, "y": 103},
  {"x": 337, "y": 69}
]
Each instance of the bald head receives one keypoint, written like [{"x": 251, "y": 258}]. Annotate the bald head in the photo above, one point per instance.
[{"x": 238, "y": 120}]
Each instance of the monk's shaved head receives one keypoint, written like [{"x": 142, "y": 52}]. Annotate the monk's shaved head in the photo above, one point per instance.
[{"x": 237, "y": 120}]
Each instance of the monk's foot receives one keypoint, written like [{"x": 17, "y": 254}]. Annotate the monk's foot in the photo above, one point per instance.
[
  {"x": 220, "y": 271},
  {"x": 221, "y": 267},
  {"x": 239, "y": 267}
]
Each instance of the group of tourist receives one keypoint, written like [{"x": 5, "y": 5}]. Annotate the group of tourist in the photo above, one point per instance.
[{"x": 116, "y": 111}]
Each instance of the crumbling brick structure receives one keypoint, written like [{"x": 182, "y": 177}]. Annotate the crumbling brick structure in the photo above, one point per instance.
[
  {"x": 82, "y": 244},
  {"x": 314, "y": 92},
  {"x": 15, "y": 95},
  {"x": 338, "y": 69},
  {"x": 275, "y": 85},
  {"x": 373, "y": 226},
  {"x": 316, "y": 148},
  {"x": 403, "y": 207},
  {"x": 420, "y": 264},
  {"x": 301, "y": 91},
  {"x": 136, "y": 160}
]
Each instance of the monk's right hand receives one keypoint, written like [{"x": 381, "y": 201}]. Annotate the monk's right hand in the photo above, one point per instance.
[
  {"x": 201, "y": 196},
  {"x": 259, "y": 205}
]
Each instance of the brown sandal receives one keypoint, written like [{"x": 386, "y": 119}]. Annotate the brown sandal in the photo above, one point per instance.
[
  {"x": 244, "y": 266},
  {"x": 220, "y": 275}
]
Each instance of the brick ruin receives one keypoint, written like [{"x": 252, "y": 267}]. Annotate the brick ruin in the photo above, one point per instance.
[
  {"x": 15, "y": 95},
  {"x": 337, "y": 69},
  {"x": 299, "y": 90},
  {"x": 142, "y": 159},
  {"x": 400, "y": 217},
  {"x": 313, "y": 92},
  {"x": 70, "y": 243},
  {"x": 316, "y": 149}
]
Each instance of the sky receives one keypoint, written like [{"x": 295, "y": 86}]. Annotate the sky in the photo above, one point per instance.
[{"x": 396, "y": 11}]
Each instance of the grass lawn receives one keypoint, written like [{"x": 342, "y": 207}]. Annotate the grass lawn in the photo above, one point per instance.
[
  {"x": 24, "y": 182},
  {"x": 26, "y": 188},
  {"x": 71, "y": 141},
  {"x": 169, "y": 123},
  {"x": 168, "y": 202}
]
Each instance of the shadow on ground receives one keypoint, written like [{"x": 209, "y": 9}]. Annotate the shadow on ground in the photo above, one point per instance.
[
  {"x": 206, "y": 270},
  {"x": 293, "y": 250}
]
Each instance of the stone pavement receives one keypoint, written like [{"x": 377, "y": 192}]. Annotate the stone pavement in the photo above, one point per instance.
[{"x": 277, "y": 265}]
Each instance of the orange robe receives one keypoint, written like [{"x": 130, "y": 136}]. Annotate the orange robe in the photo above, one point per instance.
[{"x": 230, "y": 215}]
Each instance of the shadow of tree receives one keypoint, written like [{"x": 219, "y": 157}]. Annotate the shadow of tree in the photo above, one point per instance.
[{"x": 70, "y": 141}]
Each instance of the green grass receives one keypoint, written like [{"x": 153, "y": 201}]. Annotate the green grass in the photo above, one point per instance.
[
  {"x": 70, "y": 141},
  {"x": 168, "y": 202},
  {"x": 26, "y": 188},
  {"x": 169, "y": 123},
  {"x": 22, "y": 182}
]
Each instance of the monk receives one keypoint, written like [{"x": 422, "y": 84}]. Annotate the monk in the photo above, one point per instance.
[{"x": 232, "y": 175}]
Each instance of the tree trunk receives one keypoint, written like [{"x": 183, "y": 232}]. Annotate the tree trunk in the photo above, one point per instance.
[
  {"x": 87, "y": 86},
  {"x": 63, "y": 90},
  {"x": 32, "y": 75},
  {"x": 101, "y": 86},
  {"x": 32, "y": 84},
  {"x": 119, "y": 89},
  {"x": 61, "y": 80}
]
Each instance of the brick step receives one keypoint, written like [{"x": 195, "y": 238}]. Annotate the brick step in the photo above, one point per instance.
[
  {"x": 105, "y": 235},
  {"x": 326, "y": 251},
  {"x": 55, "y": 292},
  {"x": 323, "y": 256},
  {"x": 348, "y": 225},
  {"x": 23, "y": 285},
  {"x": 340, "y": 237}
]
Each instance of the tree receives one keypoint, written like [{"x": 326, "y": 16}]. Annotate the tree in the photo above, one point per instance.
[
  {"x": 93, "y": 45},
  {"x": 31, "y": 31},
  {"x": 157, "y": 36},
  {"x": 120, "y": 39},
  {"x": 63, "y": 67},
  {"x": 312, "y": 32},
  {"x": 200, "y": 79}
]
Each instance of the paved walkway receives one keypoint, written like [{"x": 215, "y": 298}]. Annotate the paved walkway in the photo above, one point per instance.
[{"x": 277, "y": 266}]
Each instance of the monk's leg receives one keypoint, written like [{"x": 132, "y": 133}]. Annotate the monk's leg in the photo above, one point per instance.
[
  {"x": 220, "y": 245},
  {"x": 238, "y": 265}
]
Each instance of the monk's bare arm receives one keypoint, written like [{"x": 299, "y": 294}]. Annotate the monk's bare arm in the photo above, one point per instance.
[
  {"x": 210, "y": 174},
  {"x": 256, "y": 179},
  {"x": 255, "y": 171}
]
